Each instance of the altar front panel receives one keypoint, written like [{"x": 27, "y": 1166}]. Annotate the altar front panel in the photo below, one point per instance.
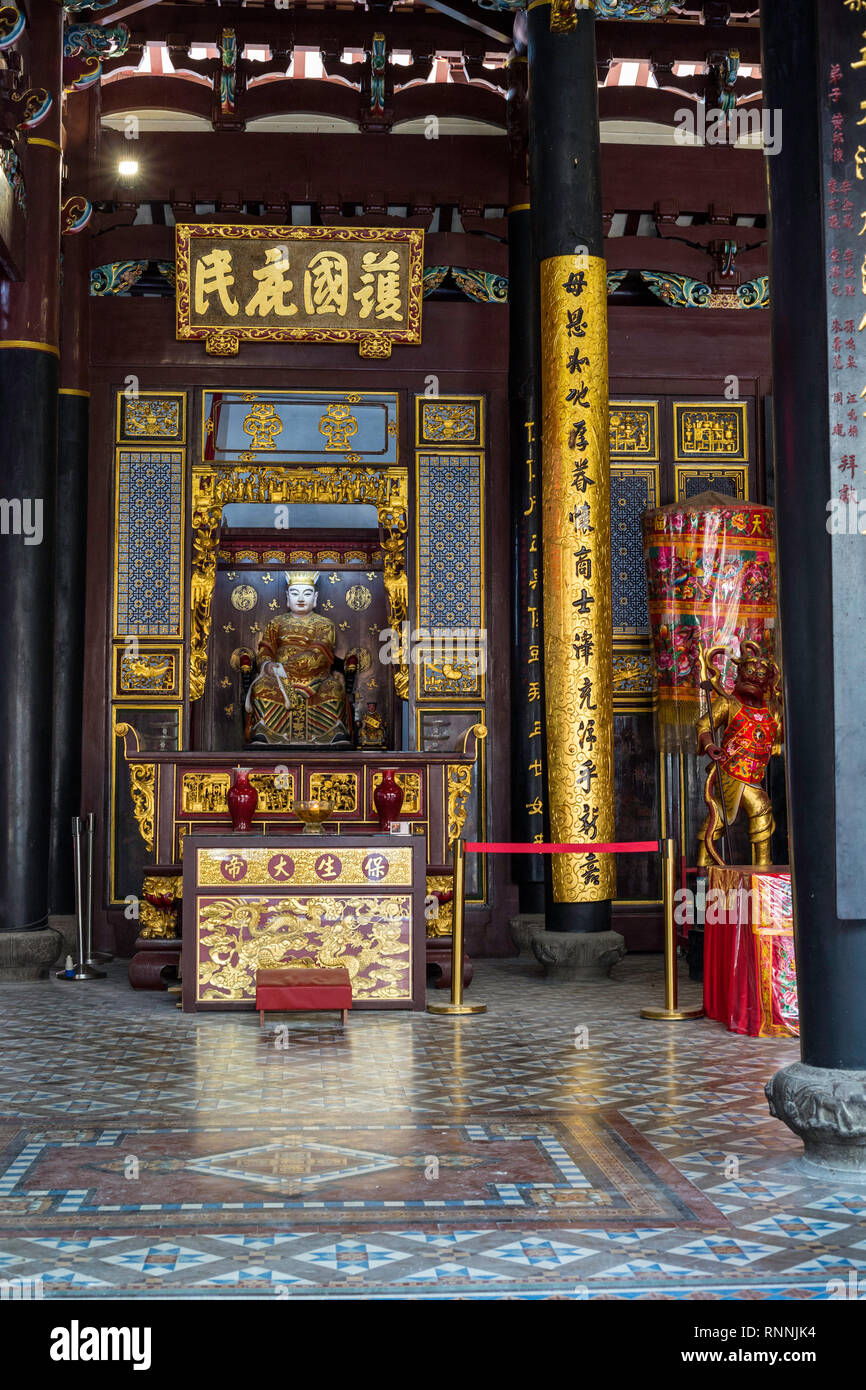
[{"x": 252, "y": 903}]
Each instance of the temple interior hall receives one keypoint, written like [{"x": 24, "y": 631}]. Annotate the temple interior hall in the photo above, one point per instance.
[{"x": 432, "y": 571}]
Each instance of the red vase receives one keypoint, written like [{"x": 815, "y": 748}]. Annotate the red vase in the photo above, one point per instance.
[
  {"x": 388, "y": 799},
  {"x": 242, "y": 801}
]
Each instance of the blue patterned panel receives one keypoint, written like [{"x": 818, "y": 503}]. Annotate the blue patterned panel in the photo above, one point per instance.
[
  {"x": 732, "y": 482},
  {"x": 450, "y": 555},
  {"x": 149, "y": 530},
  {"x": 632, "y": 491},
  {"x": 694, "y": 486}
]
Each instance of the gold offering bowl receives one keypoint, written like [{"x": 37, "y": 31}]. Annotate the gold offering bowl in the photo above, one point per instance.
[{"x": 313, "y": 814}]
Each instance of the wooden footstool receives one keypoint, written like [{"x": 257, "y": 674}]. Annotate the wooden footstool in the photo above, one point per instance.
[{"x": 303, "y": 987}]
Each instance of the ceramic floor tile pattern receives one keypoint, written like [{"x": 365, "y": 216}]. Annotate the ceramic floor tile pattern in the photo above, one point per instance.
[{"x": 558, "y": 1146}]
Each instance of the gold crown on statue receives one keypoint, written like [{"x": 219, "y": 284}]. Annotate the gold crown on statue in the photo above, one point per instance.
[{"x": 302, "y": 577}]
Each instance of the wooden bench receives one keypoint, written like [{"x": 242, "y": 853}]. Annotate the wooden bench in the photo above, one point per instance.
[{"x": 296, "y": 987}]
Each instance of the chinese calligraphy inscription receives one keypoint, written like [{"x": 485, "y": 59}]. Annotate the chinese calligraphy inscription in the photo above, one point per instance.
[{"x": 576, "y": 565}]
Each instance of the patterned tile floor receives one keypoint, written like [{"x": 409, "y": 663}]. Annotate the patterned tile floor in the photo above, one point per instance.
[{"x": 558, "y": 1146}]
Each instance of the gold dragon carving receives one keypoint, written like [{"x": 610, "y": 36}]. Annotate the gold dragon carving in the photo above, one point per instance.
[{"x": 363, "y": 934}]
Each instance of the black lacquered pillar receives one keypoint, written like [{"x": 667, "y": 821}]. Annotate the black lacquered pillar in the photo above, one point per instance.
[
  {"x": 565, "y": 183},
  {"x": 528, "y": 741},
  {"x": 814, "y": 71},
  {"x": 71, "y": 519},
  {"x": 28, "y": 409}
]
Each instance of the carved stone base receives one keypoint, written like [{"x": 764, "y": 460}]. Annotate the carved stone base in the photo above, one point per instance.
[
  {"x": 574, "y": 956},
  {"x": 152, "y": 957},
  {"x": 67, "y": 926},
  {"x": 827, "y": 1110},
  {"x": 439, "y": 960},
  {"x": 27, "y": 955},
  {"x": 523, "y": 928}
]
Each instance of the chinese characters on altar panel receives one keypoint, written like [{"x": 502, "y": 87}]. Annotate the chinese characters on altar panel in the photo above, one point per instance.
[
  {"x": 582, "y": 483},
  {"x": 325, "y": 285}
]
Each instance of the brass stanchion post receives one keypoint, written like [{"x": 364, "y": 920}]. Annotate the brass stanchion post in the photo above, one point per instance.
[
  {"x": 670, "y": 1012},
  {"x": 456, "y": 1005}
]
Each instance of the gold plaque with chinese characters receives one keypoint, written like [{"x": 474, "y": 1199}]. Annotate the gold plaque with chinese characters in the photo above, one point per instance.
[
  {"x": 299, "y": 284},
  {"x": 305, "y": 868}
]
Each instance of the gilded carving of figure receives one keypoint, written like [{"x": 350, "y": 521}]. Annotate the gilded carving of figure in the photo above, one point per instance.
[
  {"x": 750, "y": 733},
  {"x": 372, "y": 733}
]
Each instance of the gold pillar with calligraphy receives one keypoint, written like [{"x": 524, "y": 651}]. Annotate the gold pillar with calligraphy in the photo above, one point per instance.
[
  {"x": 575, "y": 495},
  {"x": 568, "y": 241}
]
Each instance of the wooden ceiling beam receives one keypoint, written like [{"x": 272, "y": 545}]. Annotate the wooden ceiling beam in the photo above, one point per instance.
[
  {"x": 631, "y": 41},
  {"x": 327, "y": 29},
  {"x": 466, "y": 12},
  {"x": 458, "y": 24},
  {"x": 124, "y": 10},
  {"x": 634, "y": 178}
]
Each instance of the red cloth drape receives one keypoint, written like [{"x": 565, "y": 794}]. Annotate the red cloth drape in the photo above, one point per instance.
[{"x": 749, "y": 980}]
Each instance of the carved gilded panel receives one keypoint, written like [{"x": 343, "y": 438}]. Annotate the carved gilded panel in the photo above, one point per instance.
[
  {"x": 439, "y": 911},
  {"x": 453, "y": 421},
  {"x": 633, "y": 688},
  {"x": 710, "y": 430},
  {"x": 411, "y": 784},
  {"x": 634, "y": 430},
  {"x": 340, "y": 788},
  {"x": 147, "y": 672},
  {"x": 204, "y": 793},
  {"x": 145, "y": 418},
  {"x": 369, "y": 935},
  {"x": 300, "y": 427},
  {"x": 276, "y": 790}
]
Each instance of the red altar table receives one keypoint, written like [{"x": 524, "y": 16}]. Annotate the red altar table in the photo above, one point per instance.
[{"x": 750, "y": 983}]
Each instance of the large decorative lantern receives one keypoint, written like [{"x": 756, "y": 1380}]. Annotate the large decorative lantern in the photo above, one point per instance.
[{"x": 711, "y": 578}]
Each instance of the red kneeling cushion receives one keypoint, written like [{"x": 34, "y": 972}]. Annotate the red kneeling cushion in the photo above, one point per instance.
[
  {"x": 304, "y": 975},
  {"x": 304, "y": 988}
]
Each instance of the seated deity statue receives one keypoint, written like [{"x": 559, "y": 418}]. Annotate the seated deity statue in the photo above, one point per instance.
[{"x": 299, "y": 697}]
